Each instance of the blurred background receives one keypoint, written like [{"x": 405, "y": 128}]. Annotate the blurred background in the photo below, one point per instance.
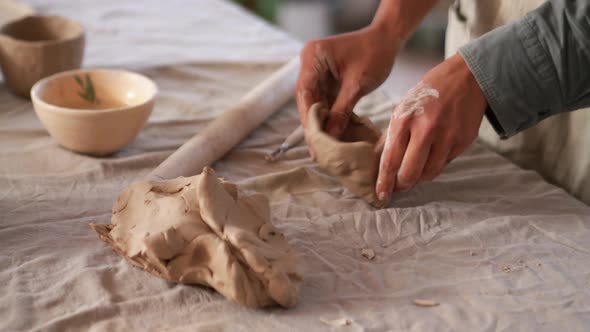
[{"x": 311, "y": 19}]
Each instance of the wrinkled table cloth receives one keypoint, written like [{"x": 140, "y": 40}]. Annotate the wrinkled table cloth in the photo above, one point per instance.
[{"x": 496, "y": 246}]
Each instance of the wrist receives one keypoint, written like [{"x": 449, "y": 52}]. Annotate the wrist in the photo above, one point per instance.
[
  {"x": 462, "y": 69},
  {"x": 387, "y": 24},
  {"x": 385, "y": 40},
  {"x": 396, "y": 20},
  {"x": 387, "y": 32}
]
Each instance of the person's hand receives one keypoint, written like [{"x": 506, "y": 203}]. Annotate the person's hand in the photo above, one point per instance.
[
  {"x": 435, "y": 122},
  {"x": 339, "y": 70}
]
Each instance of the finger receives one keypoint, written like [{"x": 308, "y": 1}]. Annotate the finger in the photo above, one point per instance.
[
  {"x": 306, "y": 88},
  {"x": 380, "y": 145},
  {"x": 457, "y": 150},
  {"x": 437, "y": 161},
  {"x": 413, "y": 162},
  {"x": 454, "y": 153},
  {"x": 304, "y": 95},
  {"x": 341, "y": 111},
  {"x": 304, "y": 102},
  {"x": 310, "y": 148},
  {"x": 396, "y": 142}
]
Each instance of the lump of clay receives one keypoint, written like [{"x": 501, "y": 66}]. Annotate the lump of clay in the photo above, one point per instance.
[
  {"x": 354, "y": 159},
  {"x": 202, "y": 230}
]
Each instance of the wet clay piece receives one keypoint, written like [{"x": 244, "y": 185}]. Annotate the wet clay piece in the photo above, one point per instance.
[
  {"x": 426, "y": 303},
  {"x": 336, "y": 322},
  {"x": 354, "y": 158},
  {"x": 368, "y": 253},
  {"x": 203, "y": 230}
]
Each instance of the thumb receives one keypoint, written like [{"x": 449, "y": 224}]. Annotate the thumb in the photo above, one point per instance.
[{"x": 348, "y": 96}]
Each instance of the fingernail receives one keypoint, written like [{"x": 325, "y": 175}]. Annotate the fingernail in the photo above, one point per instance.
[{"x": 383, "y": 196}]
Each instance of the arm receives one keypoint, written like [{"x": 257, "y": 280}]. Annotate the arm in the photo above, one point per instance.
[
  {"x": 399, "y": 18},
  {"x": 535, "y": 67},
  {"x": 339, "y": 70},
  {"x": 517, "y": 75}
]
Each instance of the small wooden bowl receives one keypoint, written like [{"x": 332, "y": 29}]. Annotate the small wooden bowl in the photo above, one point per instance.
[
  {"x": 35, "y": 47},
  {"x": 96, "y": 111}
]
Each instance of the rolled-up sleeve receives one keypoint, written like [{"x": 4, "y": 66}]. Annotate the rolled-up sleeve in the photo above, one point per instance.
[{"x": 535, "y": 67}]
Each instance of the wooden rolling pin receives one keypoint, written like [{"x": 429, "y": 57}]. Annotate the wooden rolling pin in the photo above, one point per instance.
[{"x": 231, "y": 127}]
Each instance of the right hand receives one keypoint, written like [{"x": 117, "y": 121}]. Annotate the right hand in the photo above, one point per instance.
[
  {"x": 435, "y": 122},
  {"x": 339, "y": 70}
]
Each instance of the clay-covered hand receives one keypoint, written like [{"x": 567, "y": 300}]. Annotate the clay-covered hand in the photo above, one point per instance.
[
  {"x": 339, "y": 70},
  {"x": 435, "y": 122}
]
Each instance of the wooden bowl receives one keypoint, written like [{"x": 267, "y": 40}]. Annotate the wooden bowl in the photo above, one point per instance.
[
  {"x": 35, "y": 47},
  {"x": 96, "y": 111}
]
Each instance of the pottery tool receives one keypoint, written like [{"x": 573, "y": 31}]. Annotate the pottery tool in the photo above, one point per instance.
[
  {"x": 74, "y": 108},
  {"x": 230, "y": 128},
  {"x": 292, "y": 140}
]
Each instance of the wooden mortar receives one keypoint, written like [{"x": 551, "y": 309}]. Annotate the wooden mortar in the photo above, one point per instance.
[{"x": 35, "y": 47}]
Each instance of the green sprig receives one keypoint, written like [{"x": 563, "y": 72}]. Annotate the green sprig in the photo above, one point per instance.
[{"x": 88, "y": 93}]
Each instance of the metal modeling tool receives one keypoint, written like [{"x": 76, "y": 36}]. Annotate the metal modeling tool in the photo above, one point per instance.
[{"x": 292, "y": 140}]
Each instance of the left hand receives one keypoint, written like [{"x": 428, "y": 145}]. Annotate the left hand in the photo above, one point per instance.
[
  {"x": 435, "y": 122},
  {"x": 341, "y": 69}
]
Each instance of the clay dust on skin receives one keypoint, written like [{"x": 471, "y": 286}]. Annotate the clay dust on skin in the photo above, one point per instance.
[
  {"x": 412, "y": 105},
  {"x": 414, "y": 101}
]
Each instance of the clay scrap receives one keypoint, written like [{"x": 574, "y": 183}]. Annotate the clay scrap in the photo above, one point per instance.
[
  {"x": 336, "y": 322},
  {"x": 203, "y": 230},
  {"x": 368, "y": 253},
  {"x": 426, "y": 303},
  {"x": 354, "y": 158}
]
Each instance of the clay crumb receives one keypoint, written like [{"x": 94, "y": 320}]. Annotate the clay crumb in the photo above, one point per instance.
[
  {"x": 506, "y": 269},
  {"x": 426, "y": 303},
  {"x": 336, "y": 322},
  {"x": 368, "y": 253}
]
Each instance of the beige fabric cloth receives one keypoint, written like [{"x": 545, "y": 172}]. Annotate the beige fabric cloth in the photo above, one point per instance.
[
  {"x": 498, "y": 247},
  {"x": 557, "y": 147}
]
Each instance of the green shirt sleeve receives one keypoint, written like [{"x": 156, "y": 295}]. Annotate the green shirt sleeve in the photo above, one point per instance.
[{"x": 535, "y": 67}]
